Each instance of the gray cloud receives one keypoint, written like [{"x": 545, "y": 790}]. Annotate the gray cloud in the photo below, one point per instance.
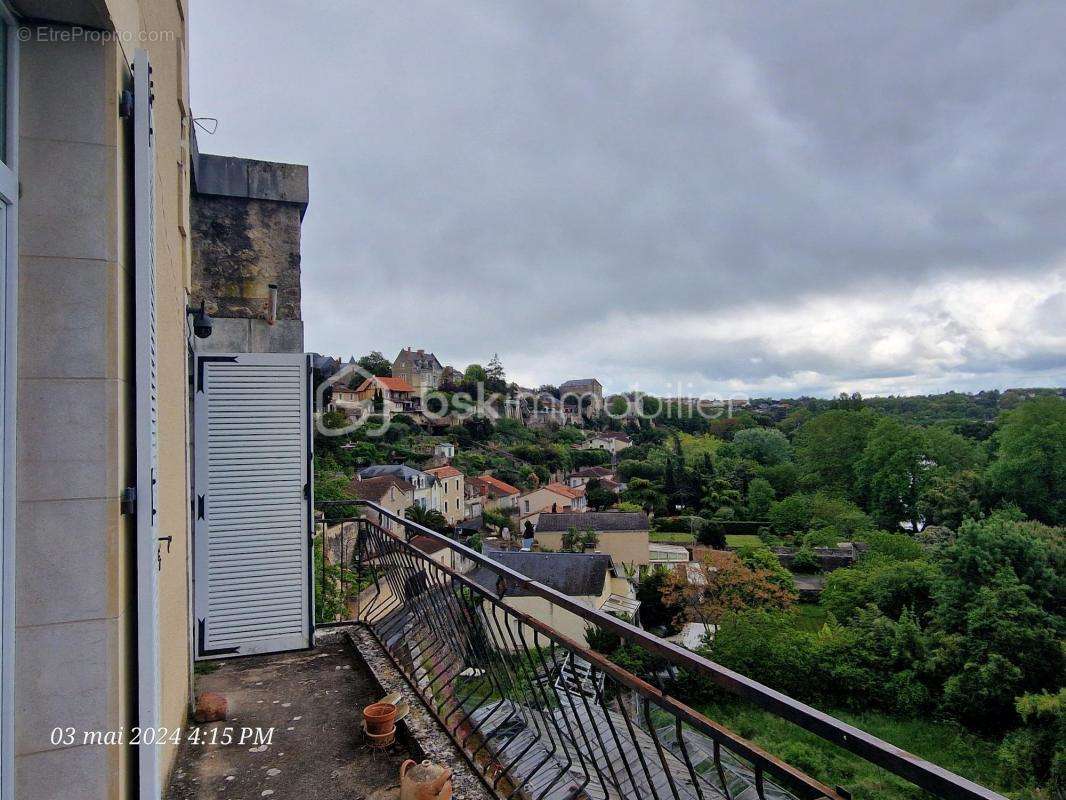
[{"x": 562, "y": 182}]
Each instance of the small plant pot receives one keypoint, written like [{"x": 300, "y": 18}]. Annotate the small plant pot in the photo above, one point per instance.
[{"x": 380, "y": 718}]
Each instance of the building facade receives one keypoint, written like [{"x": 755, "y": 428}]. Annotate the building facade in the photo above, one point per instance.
[{"x": 420, "y": 369}]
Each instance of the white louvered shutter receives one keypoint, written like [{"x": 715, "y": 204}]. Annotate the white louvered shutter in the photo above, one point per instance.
[
  {"x": 147, "y": 417},
  {"x": 253, "y": 515}
]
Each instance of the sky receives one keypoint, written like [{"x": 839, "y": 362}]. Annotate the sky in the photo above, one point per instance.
[{"x": 696, "y": 198}]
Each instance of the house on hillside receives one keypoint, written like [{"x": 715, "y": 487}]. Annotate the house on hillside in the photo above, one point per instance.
[
  {"x": 452, "y": 492},
  {"x": 444, "y": 450},
  {"x": 622, "y": 534},
  {"x": 379, "y": 395},
  {"x": 581, "y": 477},
  {"x": 418, "y": 368},
  {"x": 498, "y": 495},
  {"x": 590, "y": 578},
  {"x": 583, "y": 396},
  {"x": 425, "y": 486},
  {"x": 388, "y": 491},
  {"x": 611, "y": 441},
  {"x": 552, "y": 497}
]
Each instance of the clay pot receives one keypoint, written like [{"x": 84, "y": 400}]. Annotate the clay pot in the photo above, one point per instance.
[
  {"x": 425, "y": 781},
  {"x": 380, "y": 718}
]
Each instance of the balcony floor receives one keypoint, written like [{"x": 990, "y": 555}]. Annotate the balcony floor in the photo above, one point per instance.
[{"x": 313, "y": 700}]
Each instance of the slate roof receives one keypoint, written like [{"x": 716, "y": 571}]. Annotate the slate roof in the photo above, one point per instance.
[
  {"x": 574, "y": 574},
  {"x": 420, "y": 360},
  {"x": 401, "y": 471},
  {"x": 597, "y": 520}
]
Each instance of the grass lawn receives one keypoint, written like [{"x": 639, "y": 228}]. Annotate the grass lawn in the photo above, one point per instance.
[
  {"x": 943, "y": 743},
  {"x": 662, "y": 537},
  {"x": 742, "y": 540}
]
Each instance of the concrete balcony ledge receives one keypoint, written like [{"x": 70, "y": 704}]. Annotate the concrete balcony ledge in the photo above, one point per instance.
[{"x": 313, "y": 701}]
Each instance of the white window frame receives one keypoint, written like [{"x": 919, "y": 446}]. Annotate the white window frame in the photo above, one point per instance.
[{"x": 9, "y": 191}]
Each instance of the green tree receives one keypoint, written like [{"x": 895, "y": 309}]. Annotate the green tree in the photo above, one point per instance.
[
  {"x": 474, "y": 374},
  {"x": 428, "y": 518},
  {"x": 829, "y": 446},
  {"x": 893, "y": 472},
  {"x": 376, "y": 364},
  {"x": 599, "y": 496},
  {"x": 760, "y": 498},
  {"x": 1030, "y": 468},
  {"x": 767, "y": 446}
]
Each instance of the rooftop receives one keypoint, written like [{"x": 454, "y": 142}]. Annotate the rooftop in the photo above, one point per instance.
[
  {"x": 596, "y": 520},
  {"x": 392, "y": 384},
  {"x": 494, "y": 485},
  {"x": 374, "y": 488},
  {"x": 574, "y": 574}
]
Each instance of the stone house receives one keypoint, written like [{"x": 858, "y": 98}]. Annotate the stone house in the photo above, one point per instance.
[
  {"x": 387, "y": 395},
  {"x": 583, "y": 395},
  {"x": 452, "y": 492},
  {"x": 420, "y": 369}
]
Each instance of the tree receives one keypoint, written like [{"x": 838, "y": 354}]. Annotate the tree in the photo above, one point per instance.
[
  {"x": 654, "y": 612},
  {"x": 495, "y": 376},
  {"x": 599, "y": 496},
  {"x": 376, "y": 364},
  {"x": 473, "y": 375},
  {"x": 829, "y": 446},
  {"x": 760, "y": 498},
  {"x": 1030, "y": 468},
  {"x": 768, "y": 446},
  {"x": 948, "y": 500},
  {"x": 891, "y": 586},
  {"x": 427, "y": 518},
  {"x": 893, "y": 473},
  {"x": 707, "y": 590}
]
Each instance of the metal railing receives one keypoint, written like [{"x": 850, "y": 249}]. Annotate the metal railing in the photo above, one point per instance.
[{"x": 544, "y": 717}]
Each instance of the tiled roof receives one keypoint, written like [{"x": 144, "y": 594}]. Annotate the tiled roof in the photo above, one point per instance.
[
  {"x": 617, "y": 435},
  {"x": 392, "y": 384},
  {"x": 565, "y": 491},
  {"x": 596, "y": 520},
  {"x": 445, "y": 472},
  {"x": 496, "y": 485},
  {"x": 376, "y": 487},
  {"x": 574, "y": 574},
  {"x": 591, "y": 472},
  {"x": 427, "y": 544}
]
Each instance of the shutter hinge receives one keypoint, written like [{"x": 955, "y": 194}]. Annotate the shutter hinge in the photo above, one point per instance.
[
  {"x": 125, "y": 104},
  {"x": 129, "y": 501}
]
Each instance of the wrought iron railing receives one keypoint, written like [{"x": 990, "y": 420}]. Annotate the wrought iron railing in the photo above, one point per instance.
[{"x": 544, "y": 717}]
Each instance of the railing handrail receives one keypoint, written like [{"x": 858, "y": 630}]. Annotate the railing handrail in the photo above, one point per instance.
[{"x": 920, "y": 772}]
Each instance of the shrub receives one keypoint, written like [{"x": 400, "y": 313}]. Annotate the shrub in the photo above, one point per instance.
[{"x": 806, "y": 562}]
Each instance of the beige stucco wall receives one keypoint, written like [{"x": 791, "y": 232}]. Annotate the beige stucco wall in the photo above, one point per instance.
[
  {"x": 75, "y": 592},
  {"x": 625, "y": 547},
  {"x": 452, "y": 492}
]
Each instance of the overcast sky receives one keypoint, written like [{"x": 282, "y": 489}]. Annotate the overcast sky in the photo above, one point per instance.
[{"x": 733, "y": 198}]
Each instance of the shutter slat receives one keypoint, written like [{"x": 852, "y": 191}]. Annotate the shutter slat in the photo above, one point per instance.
[{"x": 252, "y": 426}]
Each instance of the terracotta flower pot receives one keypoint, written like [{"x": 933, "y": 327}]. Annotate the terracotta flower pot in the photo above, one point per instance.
[{"x": 380, "y": 718}]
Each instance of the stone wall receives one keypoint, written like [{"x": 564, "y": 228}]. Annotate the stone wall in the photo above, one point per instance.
[{"x": 240, "y": 246}]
